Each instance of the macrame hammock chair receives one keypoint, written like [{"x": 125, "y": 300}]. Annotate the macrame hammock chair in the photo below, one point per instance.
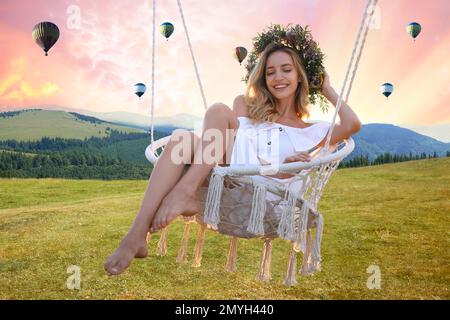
[{"x": 236, "y": 203}]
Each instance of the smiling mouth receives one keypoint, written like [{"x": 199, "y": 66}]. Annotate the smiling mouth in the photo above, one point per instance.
[{"x": 280, "y": 87}]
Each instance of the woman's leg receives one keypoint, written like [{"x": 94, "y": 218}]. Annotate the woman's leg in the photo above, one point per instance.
[
  {"x": 220, "y": 123},
  {"x": 164, "y": 176}
]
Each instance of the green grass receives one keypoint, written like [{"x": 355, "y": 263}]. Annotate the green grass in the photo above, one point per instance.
[
  {"x": 395, "y": 216},
  {"x": 36, "y": 124}
]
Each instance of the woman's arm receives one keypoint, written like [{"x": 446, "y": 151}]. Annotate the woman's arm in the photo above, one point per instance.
[{"x": 349, "y": 123}]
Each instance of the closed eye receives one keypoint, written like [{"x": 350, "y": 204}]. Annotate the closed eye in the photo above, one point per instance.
[{"x": 271, "y": 73}]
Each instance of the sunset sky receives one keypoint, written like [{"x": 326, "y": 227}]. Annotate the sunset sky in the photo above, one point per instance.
[{"x": 95, "y": 66}]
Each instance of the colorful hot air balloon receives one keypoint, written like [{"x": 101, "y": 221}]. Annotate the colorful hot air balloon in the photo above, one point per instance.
[
  {"x": 414, "y": 29},
  {"x": 386, "y": 89},
  {"x": 45, "y": 34},
  {"x": 240, "y": 53},
  {"x": 139, "y": 89},
  {"x": 166, "y": 29}
]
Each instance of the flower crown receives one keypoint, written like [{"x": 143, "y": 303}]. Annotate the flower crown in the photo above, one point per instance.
[{"x": 299, "y": 39}]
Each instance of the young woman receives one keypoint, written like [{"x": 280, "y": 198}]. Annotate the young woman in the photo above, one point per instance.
[{"x": 277, "y": 92}]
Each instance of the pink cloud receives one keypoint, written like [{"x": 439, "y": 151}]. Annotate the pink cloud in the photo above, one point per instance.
[{"x": 96, "y": 66}]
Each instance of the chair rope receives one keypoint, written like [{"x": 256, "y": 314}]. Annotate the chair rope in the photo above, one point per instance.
[
  {"x": 192, "y": 55},
  {"x": 370, "y": 3},
  {"x": 373, "y": 7},
  {"x": 152, "y": 139}
]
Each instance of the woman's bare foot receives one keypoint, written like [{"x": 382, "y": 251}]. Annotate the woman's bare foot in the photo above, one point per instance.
[
  {"x": 121, "y": 258},
  {"x": 179, "y": 201}
]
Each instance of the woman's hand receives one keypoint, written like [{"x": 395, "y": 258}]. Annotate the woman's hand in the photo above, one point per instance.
[
  {"x": 299, "y": 156},
  {"x": 326, "y": 85},
  {"x": 350, "y": 123}
]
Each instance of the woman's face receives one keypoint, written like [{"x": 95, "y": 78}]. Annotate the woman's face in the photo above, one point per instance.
[{"x": 281, "y": 76}]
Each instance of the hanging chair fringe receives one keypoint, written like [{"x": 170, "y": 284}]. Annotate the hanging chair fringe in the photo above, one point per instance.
[
  {"x": 311, "y": 257},
  {"x": 232, "y": 255},
  {"x": 198, "y": 250},
  {"x": 303, "y": 227},
  {"x": 316, "y": 258},
  {"x": 213, "y": 198},
  {"x": 306, "y": 264},
  {"x": 162, "y": 243},
  {"x": 266, "y": 261},
  {"x": 256, "y": 221},
  {"x": 286, "y": 227},
  {"x": 291, "y": 279},
  {"x": 182, "y": 253}
]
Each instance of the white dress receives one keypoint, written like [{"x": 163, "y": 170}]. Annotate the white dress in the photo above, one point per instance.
[
  {"x": 270, "y": 142},
  {"x": 262, "y": 143}
]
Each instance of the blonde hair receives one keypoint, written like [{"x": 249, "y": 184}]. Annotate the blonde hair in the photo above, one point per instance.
[{"x": 261, "y": 103}]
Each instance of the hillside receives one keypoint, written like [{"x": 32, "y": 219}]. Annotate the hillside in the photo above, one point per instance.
[
  {"x": 137, "y": 120},
  {"x": 34, "y": 124},
  {"x": 375, "y": 139},
  {"x": 393, "y": 216}
]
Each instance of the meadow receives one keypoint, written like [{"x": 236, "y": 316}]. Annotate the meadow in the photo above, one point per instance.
[{"x": 394, "y": 216}]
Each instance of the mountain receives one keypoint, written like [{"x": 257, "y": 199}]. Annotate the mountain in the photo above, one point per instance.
[
  {"x": 30, "y": 126},
  {"x": 129, "y": 119},
  {"x": 34, "y": 124},
  {"x": 375, "y": 139},
  {"x": 440, "y": 132},
  {"x": 372, "y": 140},
  {"x": 142, "y": 121}
]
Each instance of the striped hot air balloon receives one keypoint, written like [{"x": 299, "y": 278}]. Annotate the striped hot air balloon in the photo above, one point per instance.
[
  {"x": 386, "y": 89},
  {"x": 45, "y": 34},
  {"x": 240, "y": 53},
  {"x": 414, "y": 29},
  {"x": 139, "y": 89},
  {"x": 166, "y": 29}
]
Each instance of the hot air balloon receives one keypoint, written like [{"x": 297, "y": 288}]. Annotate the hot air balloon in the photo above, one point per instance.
[
  {"x": 139, "y": 89},
  {"x": 386, "y": 89},
  {"x": 240, "y": 53},
  {"x": 166, "y": 29},
  {"x": 414, "y": 29},
  {"x": 45, "y": 34}
]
